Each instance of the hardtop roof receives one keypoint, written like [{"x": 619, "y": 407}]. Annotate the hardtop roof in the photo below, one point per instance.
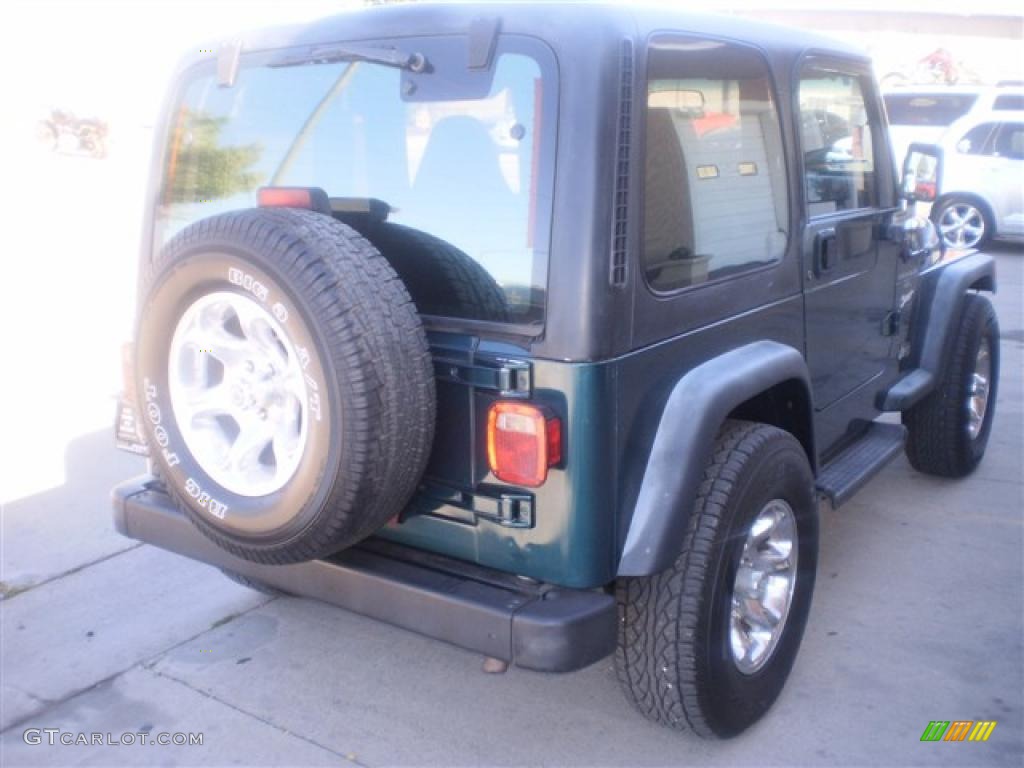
[{"x": 551, "y": 21}]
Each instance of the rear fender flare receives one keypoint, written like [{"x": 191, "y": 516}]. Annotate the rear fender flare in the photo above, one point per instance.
[{"x": 696, "y": 408}]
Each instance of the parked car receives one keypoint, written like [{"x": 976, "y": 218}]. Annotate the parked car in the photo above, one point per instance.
[
  {"x": 982, "y": 187},
  {"x": 541, "y": 329},
  {"x": 925, "y": 113}
]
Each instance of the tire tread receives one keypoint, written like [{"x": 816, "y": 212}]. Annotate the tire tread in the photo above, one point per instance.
[
  {"x": 660, "y": 616},
  {"x": 373, "y": 337},
  {"x": 937, "y": 442}
]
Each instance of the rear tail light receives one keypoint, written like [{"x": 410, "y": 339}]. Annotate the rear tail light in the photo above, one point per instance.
[
  {"x": 522, "y": 443},
  {"x": 310, "y": 198}
]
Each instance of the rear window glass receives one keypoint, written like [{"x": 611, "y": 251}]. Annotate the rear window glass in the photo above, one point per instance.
[
  {"x": 1013, "y": 101},
  {"x": 939, "y": 109},
  {"x": 462, "y": 160}
]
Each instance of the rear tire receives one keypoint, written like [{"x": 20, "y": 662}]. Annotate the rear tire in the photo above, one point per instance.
[
  {"x": 944, "y": 438},
  {"x": 286, "y": 384},
  {"x": 676, "y": 657},
  {"x": 254, "y": 584}
]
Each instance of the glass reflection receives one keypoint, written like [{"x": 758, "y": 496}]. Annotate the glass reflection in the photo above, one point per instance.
[{"x": 448, "y": 190}]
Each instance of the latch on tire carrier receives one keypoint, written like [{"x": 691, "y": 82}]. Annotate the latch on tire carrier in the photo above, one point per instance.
[{"x": 509, "y": 378}]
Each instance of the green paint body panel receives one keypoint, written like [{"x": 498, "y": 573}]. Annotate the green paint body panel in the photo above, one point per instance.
[{"x": 573, "y": 539}]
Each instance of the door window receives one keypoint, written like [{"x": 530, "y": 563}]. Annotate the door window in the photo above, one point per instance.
[
  {"x": 1009, "y": 141},
  {"x": 715, "y": 201},
  {"x": 838, "y": 147},
  {"x": 976, "y": 141}
]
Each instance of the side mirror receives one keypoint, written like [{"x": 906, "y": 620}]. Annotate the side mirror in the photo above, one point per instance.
[{"x": 922, "y": 173}]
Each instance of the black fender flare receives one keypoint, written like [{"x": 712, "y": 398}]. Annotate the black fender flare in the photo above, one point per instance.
[
  {"x": 696, "y": 408},
  {"x": 940, "y": 296}
]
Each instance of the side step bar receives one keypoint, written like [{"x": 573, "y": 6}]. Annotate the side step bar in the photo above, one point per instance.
[
  {"x": 522, "y": 622},
  {"x": 859, "y": 462}
]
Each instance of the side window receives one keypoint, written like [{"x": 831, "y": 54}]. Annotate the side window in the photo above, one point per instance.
[
  {"x": 976, "y": 140},
  {"x": 927, "y": 109},
  {"x": 715, "y": 200},
  {"x": 1012, "y": 101},
  {"x": 839, "y": 162},
  {"x": 1009, "y": 141}
]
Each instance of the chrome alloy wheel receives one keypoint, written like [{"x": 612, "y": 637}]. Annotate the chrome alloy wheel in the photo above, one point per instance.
[
  {"x": 962, "y": 225},
  {"x": 238, "y": 393},
  {"x": 977, "y": 393},
  {"x": 763, "y": 590}
]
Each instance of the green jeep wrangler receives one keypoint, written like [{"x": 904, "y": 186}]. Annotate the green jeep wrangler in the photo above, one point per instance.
[{"x": 542, "y": 329}]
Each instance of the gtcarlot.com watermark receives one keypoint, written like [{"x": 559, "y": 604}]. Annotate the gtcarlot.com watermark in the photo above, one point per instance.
[{"x": 55, "y": 736}]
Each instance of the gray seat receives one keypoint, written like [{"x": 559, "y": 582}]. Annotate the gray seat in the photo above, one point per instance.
[{"x": 668, "y": 222}]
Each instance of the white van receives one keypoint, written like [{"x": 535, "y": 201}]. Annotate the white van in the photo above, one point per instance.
[{"x": 924, "y": 112}]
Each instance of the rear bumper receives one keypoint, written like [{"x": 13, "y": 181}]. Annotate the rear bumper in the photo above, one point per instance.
[{"x": 532, "y": 626}]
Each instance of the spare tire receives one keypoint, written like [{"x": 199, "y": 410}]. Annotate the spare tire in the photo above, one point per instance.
[
  {"x": 285, "y": 381},
  {"x": 443, "y": 280}
]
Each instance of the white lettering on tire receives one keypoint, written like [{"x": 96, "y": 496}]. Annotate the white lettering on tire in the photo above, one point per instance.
[
  {"x": 248, "y": 283},
  {"x": 204, "y": 500},
  {"x": 160, "y": 435},
  {"x": 314, "y": 396}
]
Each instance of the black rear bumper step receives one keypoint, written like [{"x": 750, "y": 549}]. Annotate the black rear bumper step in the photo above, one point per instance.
[
  {"x": 550, "y": 629},
  {"x": 860, "y": 461}
]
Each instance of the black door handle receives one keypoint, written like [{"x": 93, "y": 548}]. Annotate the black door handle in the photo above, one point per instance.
[{"x": 824, "y": 252}]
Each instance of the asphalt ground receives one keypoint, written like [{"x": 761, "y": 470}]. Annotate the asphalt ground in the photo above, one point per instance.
[{"x": 917, "y": 614}]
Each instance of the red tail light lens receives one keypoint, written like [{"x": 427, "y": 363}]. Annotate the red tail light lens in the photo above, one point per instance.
[
  {"x": 522, "y": 443},
  {"x": 284, "y": 197},
  {"x": 310, "y": 198}
]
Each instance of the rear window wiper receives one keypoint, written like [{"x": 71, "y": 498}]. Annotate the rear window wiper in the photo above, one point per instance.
[{"x": 389, "y": 57}]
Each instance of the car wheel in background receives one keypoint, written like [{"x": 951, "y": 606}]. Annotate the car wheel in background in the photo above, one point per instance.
[{"x": 963, "y": 223}]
